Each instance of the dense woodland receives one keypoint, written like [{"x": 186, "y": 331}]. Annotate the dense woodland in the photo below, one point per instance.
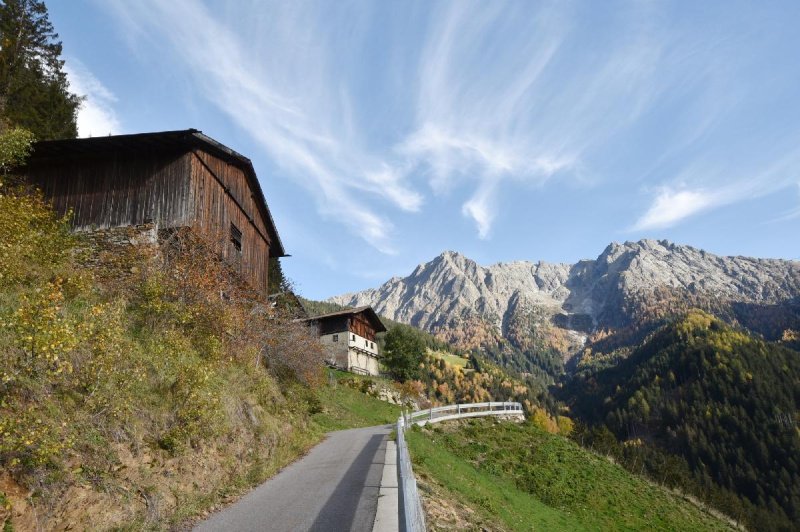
[{"x": 708, "y": 408}]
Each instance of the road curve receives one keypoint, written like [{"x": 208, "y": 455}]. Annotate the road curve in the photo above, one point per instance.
[{"x": 334, "y": 488}]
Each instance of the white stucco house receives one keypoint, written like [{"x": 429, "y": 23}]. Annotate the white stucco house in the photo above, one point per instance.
[{"x": 349, "y": 338}]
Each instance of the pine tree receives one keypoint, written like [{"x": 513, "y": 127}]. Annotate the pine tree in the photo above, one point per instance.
[
  {"x": 34, "y": 90},
  {"x": 278, "y": 283}
]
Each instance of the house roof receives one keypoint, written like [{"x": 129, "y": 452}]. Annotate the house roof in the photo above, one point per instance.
[
  {"x": 157, "y": 142},
  {"x": 368, "y": 311}
]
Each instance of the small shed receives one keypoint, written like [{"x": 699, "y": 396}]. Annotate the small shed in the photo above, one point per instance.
[
  {"x": 349, "y": 337},
  {"x": 161, "y": 181}
]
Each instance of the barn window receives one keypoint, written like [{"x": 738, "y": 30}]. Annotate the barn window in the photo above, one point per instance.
[
  {"x": 335, "y": 337},
  {"x": 236, "y": 238}
]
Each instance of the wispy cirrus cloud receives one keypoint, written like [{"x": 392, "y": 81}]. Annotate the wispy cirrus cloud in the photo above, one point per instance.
[
  {"x": 277, "y": 81},
  {"x": 497, "y": 101},
  {"x": 96, "y": 115},
  {"x": 508, "y": 93},
  {"x": 726, "y": 184},
  {"x": 791, "y": 214},
  {"x": 672, "y": 206},
  {"x": 368, "y": 101}
]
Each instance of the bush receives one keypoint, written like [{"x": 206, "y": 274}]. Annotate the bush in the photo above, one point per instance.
[{"x": 34, "y": 242}]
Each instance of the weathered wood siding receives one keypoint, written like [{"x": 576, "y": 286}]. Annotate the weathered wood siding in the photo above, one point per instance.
[
  {"x": 336, "y": 324},
  {"x": 362, "y": 327},
  {"x": 222, "y": 195},
  {"x": 171, "y": 189},
  {"x": 119, "y": 190}
]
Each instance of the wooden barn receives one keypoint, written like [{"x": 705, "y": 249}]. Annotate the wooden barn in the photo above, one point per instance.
[
  {"x": 165, "y": 180},
  {"x": 349, "y": 337}
]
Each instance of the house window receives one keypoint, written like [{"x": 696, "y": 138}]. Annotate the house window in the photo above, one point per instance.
[
  {"x": 236, "y": 238},
  {"x": 335, "y": 337},
  {"x": 354, "y": 337}
]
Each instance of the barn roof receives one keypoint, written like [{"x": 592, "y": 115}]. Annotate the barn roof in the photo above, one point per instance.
[
  {"x": 158, "y": 142},
  {"x": 368, "y": 311}
]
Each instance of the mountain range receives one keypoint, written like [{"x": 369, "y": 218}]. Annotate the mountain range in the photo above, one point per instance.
[
  {"x": 675, "y": 361},
  {"x": 628, "y": 290}
]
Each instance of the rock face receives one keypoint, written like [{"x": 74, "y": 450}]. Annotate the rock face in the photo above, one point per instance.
[{"x": 627, "y": 283}]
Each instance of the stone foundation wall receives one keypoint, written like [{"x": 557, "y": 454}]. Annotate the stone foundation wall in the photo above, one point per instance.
[{"x": 115, "y": 252}]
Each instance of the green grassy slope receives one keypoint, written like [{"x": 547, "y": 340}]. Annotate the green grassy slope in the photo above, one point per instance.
[
  {"x": 453, "y": 360},
  {"x": 521, "y": 478},
  {"x": 345, "y": 407}
]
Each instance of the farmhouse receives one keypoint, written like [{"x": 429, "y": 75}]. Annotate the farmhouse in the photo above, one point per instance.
[
  {"x": 349, "y": 337},
  {"x": 157, "y": 182}
]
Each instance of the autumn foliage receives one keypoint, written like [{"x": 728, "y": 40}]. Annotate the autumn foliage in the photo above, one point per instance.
[{"x": 156, "y": 348}]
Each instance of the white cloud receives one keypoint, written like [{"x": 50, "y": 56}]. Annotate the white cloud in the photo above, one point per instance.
[
  {"x": 513, "y": 114},
  {"x": 288, "y": 98},
  {"x": 507, "y": 93},
  {"x": 790, "y": 215},
  {"x": 449, "y": 155},
  {"x": 485, "y": 95},
  {"x": 481, "y": 210},
  {"x": 673, "y": 206},
  {"x": 96, "y": 116}
]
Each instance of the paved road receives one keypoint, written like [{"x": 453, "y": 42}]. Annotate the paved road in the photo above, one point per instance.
[{"x": 334, "y": 488}]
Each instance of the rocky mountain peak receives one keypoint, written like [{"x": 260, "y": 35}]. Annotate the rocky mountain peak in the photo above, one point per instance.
[
  {"x": 603, "y": 292},
  {"x": 639, "y": 247}
]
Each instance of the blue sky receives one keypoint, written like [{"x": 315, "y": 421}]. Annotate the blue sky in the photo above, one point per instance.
[{"x": 385, "y": 132}]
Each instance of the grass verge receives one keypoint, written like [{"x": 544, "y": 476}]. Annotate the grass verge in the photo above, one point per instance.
[
  {"x": 522, "y": 478},
  {"x": 346, "y": 406}
]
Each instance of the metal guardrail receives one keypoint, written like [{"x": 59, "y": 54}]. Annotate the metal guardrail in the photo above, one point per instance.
[
  {"x": 444, "y": 413},
  {"x": 412, "y": 516}
]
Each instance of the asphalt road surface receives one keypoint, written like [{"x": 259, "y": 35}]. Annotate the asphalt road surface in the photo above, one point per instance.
[{"x": 334, "y": 488}]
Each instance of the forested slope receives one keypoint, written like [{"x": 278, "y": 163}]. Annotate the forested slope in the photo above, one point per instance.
[{"x": 724, "y": 402}]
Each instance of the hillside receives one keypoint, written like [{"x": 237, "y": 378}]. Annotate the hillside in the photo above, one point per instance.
[
  {"x": 721, "y": 401},
  {"x": 686, "y": 366},
  {"x": 133, "y": 396},
  {"x": 492, "y": 475},
  {"x": 445, "y": 374},
  {"x": 539, "y": 313}
]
